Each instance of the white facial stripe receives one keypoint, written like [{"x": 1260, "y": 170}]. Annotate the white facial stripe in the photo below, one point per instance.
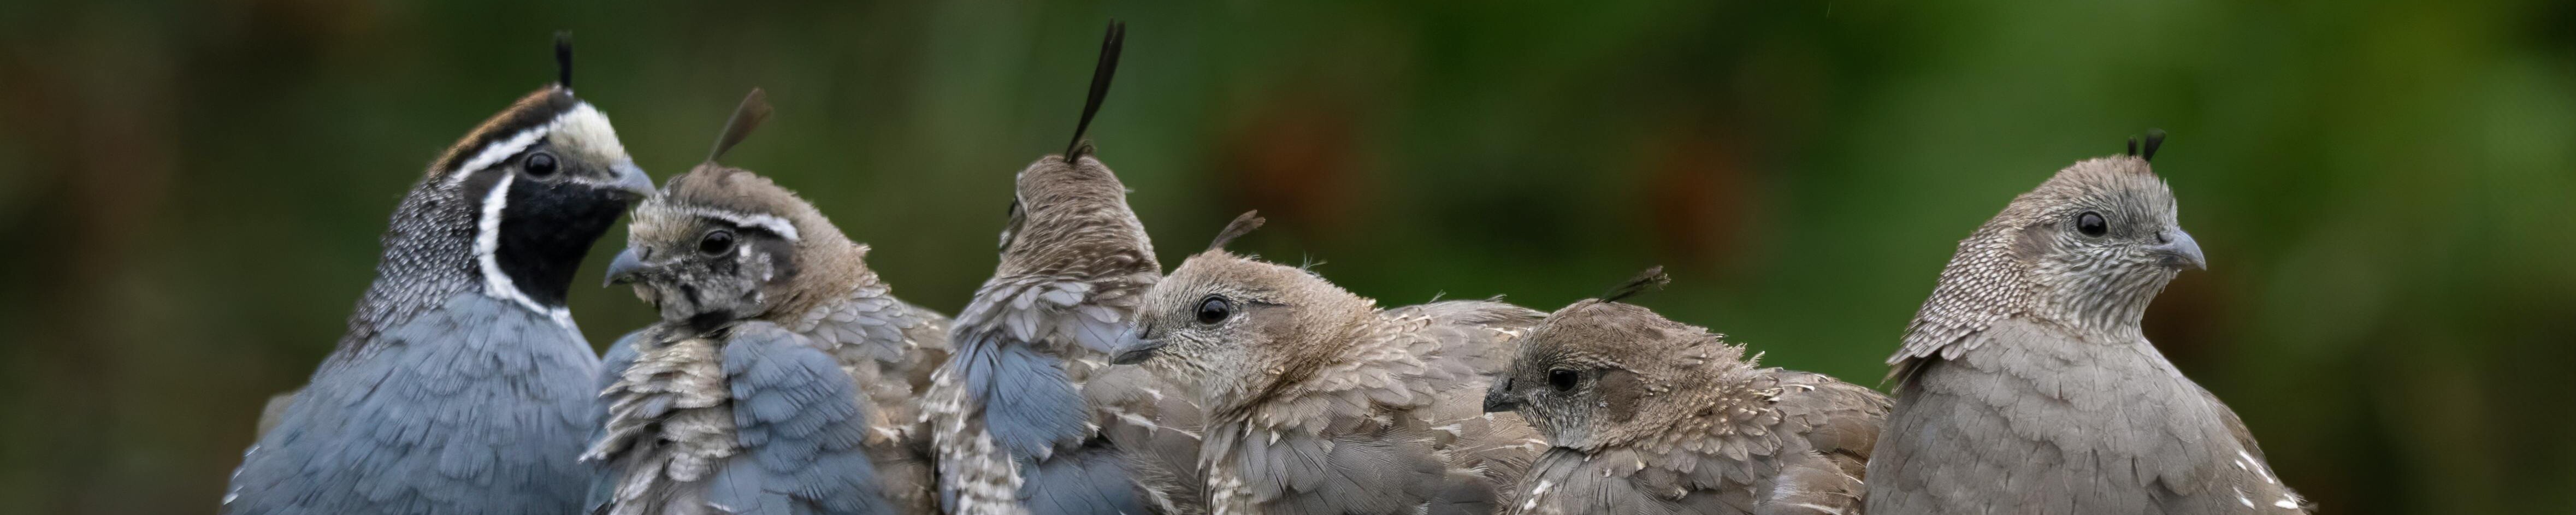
[
  {"x": 487, "y": 246},
  {"x": 497, "y": 151},
  {"x": 583, "y": 122},
  {"x": 773, "y": 224}
]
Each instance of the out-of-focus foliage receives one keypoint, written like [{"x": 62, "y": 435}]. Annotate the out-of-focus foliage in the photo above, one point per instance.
[{"x": 191, "y": 191}]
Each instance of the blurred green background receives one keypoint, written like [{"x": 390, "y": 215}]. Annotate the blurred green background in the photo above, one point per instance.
[{"x": 191, "y": 192}]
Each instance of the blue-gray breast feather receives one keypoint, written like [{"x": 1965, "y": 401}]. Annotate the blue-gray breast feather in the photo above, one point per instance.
[
  {"x": 797, "y": 414},
  {"x": 478, "y": 406},
  {"x": 787, "y": 427}
]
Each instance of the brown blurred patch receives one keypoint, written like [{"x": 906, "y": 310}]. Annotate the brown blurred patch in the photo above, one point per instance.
[
  {"x": 1698, "y": 195},
  {"x": 1297, "y": 159},
  {"x": 2184, "y": 322}
]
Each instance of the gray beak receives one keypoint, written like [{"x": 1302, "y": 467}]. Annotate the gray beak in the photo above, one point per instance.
[
  {"x": 623, "y": 269},
  {"x": 631, "y": 179},
  {"x": 1499, "y": 398},
  {"x": 1133, "y": 349},
  {"x": 2181, "y": 251}
]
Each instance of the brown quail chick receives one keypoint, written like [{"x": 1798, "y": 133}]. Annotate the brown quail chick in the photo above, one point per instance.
[
  {"x": 1650, "y": 416},
  {"x": 1319, "y": 402}
]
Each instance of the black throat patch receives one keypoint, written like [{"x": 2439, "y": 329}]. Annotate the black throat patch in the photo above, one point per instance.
[{"x": 546, "y": 229}]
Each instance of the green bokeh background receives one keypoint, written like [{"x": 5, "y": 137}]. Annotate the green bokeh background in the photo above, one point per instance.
[{"x": 191, "y": 192}]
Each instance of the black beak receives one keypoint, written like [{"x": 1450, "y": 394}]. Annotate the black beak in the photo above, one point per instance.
[
  {"x": 1133, "y": 349},
  {"x": 1500, "y": 399},
  {"x": 624, "y": 269}
]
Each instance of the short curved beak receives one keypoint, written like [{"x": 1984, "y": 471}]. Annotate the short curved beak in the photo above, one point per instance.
[
  {"x": 2182, "y": 252},
  {"x": 1133, "y": 349},
  {"x": 624, "y": 269},
  {"x": 631, "y": 179},
  {"x": 1499, "y": 398}
]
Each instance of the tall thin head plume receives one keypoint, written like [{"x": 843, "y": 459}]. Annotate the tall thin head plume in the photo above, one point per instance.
[
  {"x": 1242, "y": 224},
  {"x": 2155, "y": 139},
  {"x": 563, "y": 59},
  {"x": 1100, "y": 75},
  {"x": 754, "y": 109},
  {"x": 1652, "y": 278}
]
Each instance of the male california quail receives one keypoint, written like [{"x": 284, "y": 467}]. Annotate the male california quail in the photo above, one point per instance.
[{"x": 462, "y": 385}]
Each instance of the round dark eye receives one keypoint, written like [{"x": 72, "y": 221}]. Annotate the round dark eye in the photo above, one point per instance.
[
  {"x": 1214, "y": 310},
  {"x": 540, "y": 164},
  {"x": 716, "y": 242},
  {"x": 2091, "y": 224},
  {"x": 1562, "y": 380}
]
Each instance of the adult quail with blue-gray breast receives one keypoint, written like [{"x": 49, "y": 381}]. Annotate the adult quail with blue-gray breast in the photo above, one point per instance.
[{"x": 462, "y": 386}]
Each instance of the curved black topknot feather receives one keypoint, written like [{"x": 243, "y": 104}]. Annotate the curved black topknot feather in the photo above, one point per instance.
[
  {"x": 563, "y": 58},
  {"x": 754, "y": 109},
  {"x": 1649, "y": 279},
  {"x": 1242, "y": 224},
  {"x": 1100, "y": 75},
  {"x": 2155, "y": 139}
]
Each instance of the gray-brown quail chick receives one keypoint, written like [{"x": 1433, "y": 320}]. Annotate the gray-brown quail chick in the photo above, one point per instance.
[
  {"x": 1650, "y": 416},
  {"x": 1027, "y": 418},
  {"x": 753, "y": 283},
  {"x": 2025, "y": 385},
  {"x": 1319, "y": 402}
]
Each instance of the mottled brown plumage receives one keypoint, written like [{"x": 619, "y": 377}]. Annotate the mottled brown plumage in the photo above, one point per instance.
[
  {"x": 1319, "y": 402},
  {"x": 722, "y": 245},
  {"x": 1651, "y": 416},
  {"x": 2025, "y": 385},
  {"x": 1026, "y": 418}
]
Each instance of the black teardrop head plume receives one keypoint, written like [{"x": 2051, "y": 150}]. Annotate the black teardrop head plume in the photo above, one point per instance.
[
  {"x": 754, "y": 109},
  {"x": 563, "y": 59},
  {"x": 2155, "y": 139},
  {"x": 1242, "y": 224},
  {"x": 1649, "y": 279},
  {"x": 2133, "y": 147},
  {"x": 1108, "y": 67}
]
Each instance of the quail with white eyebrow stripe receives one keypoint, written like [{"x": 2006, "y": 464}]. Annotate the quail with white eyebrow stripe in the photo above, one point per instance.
[
  {"x": 1650, "y": 416},
  {"x": 783, "y": 373},
  {"x": 1320, "y": 403},
  {"x": 462, "y": 386},
  {"x": 1027, "y": 417},
  {"x": 2025, "y": 385}
]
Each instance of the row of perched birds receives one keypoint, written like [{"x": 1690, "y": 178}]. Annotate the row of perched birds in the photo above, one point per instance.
[{"x": 784, "y": 378}]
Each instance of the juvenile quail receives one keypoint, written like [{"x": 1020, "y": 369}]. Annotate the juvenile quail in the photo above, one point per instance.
[
  {"x": 783, "y": 372},
  {"x": 462, "y": 385},
  {"x": 2025, "y": 386},
  {"x": 1319, "y": 402},
  {"x": 1026, "y": 417},
  {"x": 1651, "y": 416}
]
